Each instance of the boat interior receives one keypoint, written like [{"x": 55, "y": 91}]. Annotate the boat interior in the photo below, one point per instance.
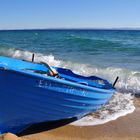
[{"x": 56, "y": 72}]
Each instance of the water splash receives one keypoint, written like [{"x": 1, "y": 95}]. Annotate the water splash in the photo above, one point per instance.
[{"x": 119, "y": 105}]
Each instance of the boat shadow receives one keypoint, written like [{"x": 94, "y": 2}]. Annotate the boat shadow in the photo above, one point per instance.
[{"x": 45, "y": 126}]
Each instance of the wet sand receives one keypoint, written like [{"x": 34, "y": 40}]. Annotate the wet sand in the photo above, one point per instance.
[{"x": 126, "y": 128}]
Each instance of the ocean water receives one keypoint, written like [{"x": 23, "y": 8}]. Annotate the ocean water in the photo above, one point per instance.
[{"x": 104, "y": 53}]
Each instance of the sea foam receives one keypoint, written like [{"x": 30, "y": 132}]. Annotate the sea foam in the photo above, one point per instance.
[{"x": 119, "y": 105}]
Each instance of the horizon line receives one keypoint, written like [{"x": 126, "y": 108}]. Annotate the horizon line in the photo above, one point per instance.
[{"x": 75, "y": 28}]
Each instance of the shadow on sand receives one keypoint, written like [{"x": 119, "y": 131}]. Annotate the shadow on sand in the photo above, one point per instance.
[{"x": 36, "y": 128}]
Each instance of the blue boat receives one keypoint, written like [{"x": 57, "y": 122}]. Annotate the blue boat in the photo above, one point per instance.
[{"x": 32, "y": 93}]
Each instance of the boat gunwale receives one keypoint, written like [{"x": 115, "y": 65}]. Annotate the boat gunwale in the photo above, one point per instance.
[{"x": 61, "y": 81}]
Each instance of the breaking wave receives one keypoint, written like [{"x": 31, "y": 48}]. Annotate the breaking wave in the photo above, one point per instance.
[{"x": 120, "y": 104}]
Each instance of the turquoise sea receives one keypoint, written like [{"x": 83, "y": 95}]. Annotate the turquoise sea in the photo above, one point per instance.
[
  {"x": 105, "y": 53},
  {"x": 103, "y": 48}
]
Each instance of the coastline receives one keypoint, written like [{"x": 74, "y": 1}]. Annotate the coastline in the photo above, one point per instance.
[{"x": 126, "y": 128}]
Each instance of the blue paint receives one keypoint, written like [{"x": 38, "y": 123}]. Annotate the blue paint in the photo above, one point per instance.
[{"x": 27, "y": 97}]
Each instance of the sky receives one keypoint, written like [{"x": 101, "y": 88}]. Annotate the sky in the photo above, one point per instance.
[{"x": 30, "y": 14}]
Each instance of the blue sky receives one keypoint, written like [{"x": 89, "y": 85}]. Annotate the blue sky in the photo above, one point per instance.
[{"x": 21, "y": 14}]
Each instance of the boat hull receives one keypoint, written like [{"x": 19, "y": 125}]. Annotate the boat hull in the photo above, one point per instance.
[{"x": 26, "y": 100}]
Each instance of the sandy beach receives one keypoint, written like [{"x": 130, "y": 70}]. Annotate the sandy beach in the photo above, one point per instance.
[{"x": 126, "y": 128}]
